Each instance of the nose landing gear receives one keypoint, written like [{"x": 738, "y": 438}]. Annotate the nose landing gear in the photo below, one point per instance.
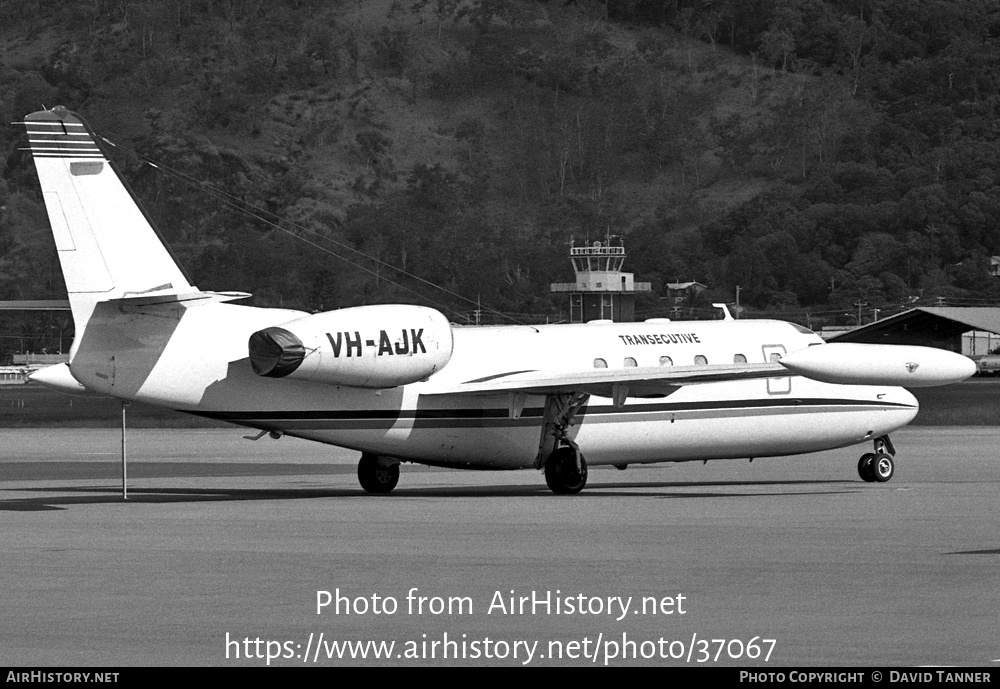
[{"x": 878, "y": 466}]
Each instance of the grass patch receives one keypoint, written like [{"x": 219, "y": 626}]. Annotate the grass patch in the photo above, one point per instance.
[
  {"x": 32, "y": 406},
  {"x": 975, "y": 402}
]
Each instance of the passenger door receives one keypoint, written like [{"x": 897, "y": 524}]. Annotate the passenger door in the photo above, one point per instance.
[{"x": 776, "y": 386}]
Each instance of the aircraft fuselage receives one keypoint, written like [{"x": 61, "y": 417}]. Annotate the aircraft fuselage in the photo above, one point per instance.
[{"x": 195, "y": 360}]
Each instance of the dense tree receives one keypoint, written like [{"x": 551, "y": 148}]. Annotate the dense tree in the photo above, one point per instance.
[{"x": 815, "y": 153}]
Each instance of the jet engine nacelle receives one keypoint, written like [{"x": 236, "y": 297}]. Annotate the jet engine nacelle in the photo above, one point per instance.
[{"x": 364, "y": 346}]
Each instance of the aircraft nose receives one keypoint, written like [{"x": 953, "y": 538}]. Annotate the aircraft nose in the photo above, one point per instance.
[
  {"x": 906, "y": 398},
  {"x": 900, "y": 408}
]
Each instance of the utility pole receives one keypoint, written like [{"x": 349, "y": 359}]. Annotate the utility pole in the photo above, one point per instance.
[
  {"x": 860, "y": 304},
  {"x": 124, "y": 460}
]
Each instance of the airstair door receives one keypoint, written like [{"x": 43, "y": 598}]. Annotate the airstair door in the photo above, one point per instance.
[{"x": 777, "y": 386}]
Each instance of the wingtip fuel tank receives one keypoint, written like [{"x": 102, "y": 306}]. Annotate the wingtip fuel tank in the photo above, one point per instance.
[{"x": 874, "y": 364}]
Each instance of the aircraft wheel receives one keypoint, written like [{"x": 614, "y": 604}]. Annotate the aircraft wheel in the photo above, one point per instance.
[
  {"x": 866, "y": 467},
  {"x": 563, "y": 474},
  {"x": 883, "y": 467},
  {"x": 374, "y": 476}
]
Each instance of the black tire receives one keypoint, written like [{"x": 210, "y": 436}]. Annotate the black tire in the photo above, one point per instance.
[
  {"x": 883, "y": 467},
  {"x": 866, "y": 467},
  {"x": 376, "y": 478},
  {"x": 562, "y": 474}
]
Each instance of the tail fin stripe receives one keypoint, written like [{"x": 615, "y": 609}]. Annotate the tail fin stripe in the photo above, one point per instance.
[
  {"x": 81, "y": 141},
  {"x": 56, "y": 135},
  {"x": 39, "y": 154},
  {"x": 61, "y": 139},
  {"x": 67, "y": 149},
  {"x": 82, "y": 147},
  {"x": 68, "y": 146}
]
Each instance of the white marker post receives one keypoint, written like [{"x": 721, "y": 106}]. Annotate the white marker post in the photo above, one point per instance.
[{"x": 124, "y": 460}]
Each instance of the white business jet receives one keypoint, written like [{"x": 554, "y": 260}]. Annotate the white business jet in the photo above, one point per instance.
[{"x": 400, "y": 383}]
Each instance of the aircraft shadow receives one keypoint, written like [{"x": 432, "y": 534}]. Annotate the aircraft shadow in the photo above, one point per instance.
[
  {"x": 62, "y": 497},
  {"x": 104, "y": 495}
]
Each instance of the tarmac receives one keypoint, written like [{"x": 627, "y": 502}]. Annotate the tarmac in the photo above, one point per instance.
[{"x": 237, "y": 553}]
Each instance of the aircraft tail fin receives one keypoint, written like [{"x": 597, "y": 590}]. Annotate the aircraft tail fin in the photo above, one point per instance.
[{"x": 108, "y": 247}]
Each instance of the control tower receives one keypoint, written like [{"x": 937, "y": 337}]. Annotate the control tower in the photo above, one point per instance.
[{"x": 601, "y": 291}]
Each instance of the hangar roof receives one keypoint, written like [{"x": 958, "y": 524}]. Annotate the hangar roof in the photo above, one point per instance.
[
  {"x": 35, "y": 305},
  {"x": 942, "y": 321}
]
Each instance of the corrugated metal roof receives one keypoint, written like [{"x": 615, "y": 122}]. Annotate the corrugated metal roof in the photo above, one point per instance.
[
  {"x": 944, "y": 320},
  {"x": 35, "y": 305},
  {"x": 979, "y": 318}
]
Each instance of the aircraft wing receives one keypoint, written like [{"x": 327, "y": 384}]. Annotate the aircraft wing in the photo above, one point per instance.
[
  {"x": 615, "y": 383},
  {"x": 842, "y": 363}
]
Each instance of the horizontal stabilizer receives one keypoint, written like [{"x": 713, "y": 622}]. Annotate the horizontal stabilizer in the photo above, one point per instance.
[
  {"x": 173, "y": 298},
  {"x": 58, "y": 377}
]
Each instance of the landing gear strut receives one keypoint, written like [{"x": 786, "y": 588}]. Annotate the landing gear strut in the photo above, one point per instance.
[
  {"x": 376, "y": 474},
  {"x": 879, "y": 465},
  {"x": 565, "y": 468}
]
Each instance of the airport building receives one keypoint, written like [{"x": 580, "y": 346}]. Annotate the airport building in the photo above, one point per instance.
[
  {"x": 972, "y": 331},
  {"x": 602, "y": 291}
]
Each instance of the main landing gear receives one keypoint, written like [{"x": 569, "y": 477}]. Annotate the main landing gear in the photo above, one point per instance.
[
  {"x": 558, "y": 455},
  {"x": 566, "y": 471},
  {"x": 565, "y": 468},
  {"x": 377, "y": 475},
  {"x": 878, "y": 466}
]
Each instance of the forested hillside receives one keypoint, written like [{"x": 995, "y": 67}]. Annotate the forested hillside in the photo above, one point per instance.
[{"x": 816, "y": 154}]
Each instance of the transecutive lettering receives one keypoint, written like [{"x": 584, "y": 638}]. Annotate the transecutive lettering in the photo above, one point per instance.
[{"x": 660, "y": 339}]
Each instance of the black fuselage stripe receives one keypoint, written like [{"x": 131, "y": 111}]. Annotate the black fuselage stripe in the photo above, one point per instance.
[{"x": 480, "y": 413}]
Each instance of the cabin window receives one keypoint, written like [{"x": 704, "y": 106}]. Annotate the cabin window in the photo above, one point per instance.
[
  {"x": 739, "y": 359},
  {"x": 630, "y": 362},
  {"x": 666, "y": 361},
  {"x": 775, "y": 357},
  {"x": 700, "y": 360},
  {"x": 600, "y": 363}
]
